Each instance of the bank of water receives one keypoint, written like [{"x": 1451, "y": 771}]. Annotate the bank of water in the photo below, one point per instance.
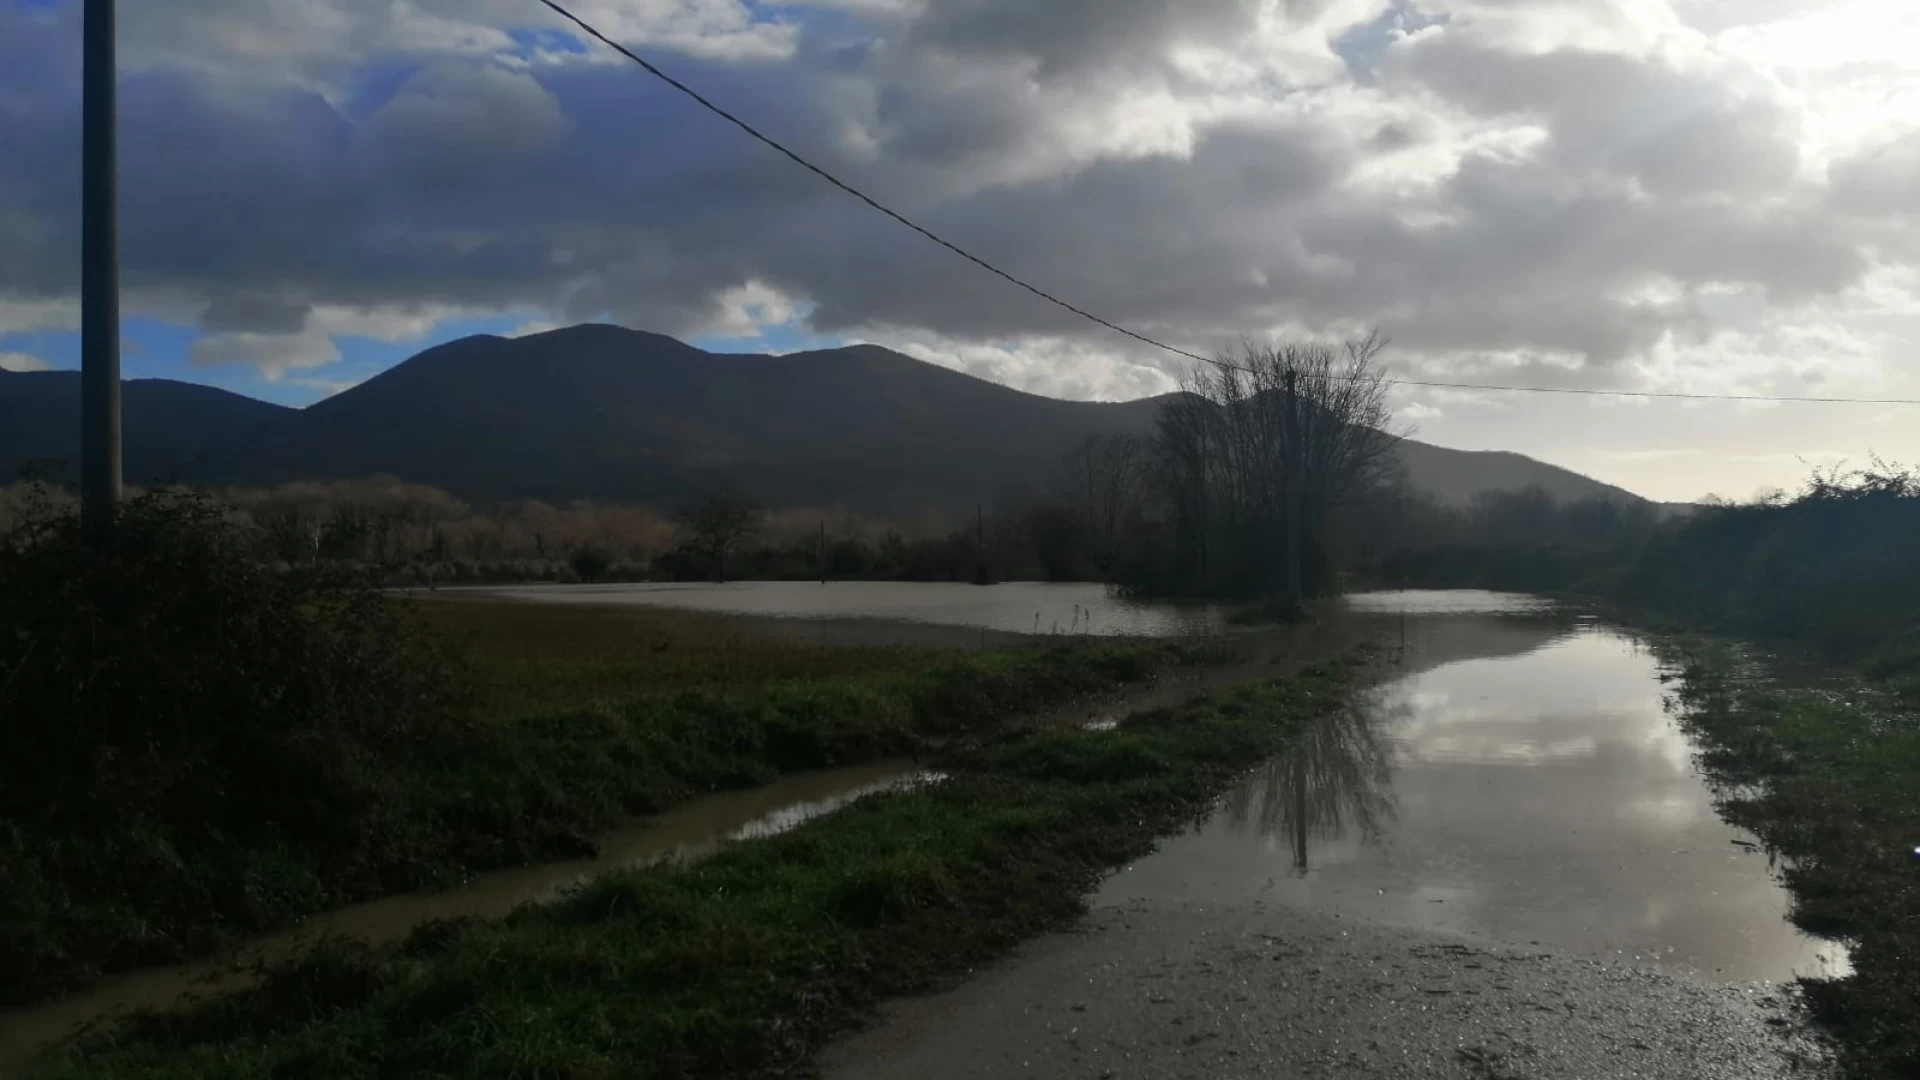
[
  {"x": 1516, "y": 780},
  {"x": 1520, "y": 780}
]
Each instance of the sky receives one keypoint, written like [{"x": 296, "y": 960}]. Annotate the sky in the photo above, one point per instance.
[{"x": 1713, "y": 196}]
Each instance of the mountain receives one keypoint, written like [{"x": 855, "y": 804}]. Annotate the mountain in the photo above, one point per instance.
[
  {"x": 169, "y": 429},
  {"x": 599, "y": 411},
  {"x": 1454, "y": 477},
  {"x": 607, "y": 413}
]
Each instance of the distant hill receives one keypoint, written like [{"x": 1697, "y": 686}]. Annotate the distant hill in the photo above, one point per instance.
[
  {"x": 607, "y": 413},
  {"x": 169, "y": 430},
  {"x": 1454, "y": 477}
]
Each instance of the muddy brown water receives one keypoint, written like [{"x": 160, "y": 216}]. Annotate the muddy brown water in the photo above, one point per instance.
[
  {"x": 1012, "y": 607},
  {"x": 1516, "y": 778},
  {"x": 1519, "y": 780},
  {"x": 684, "y": 832}
]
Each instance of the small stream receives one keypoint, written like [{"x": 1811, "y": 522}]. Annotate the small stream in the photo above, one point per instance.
[
  {"x": 1519, "y": 779},
  {"x": 683, "y": 832}
]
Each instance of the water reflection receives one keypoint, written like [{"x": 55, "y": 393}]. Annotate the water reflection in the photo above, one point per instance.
[
  {"x": 1523, "y": 782},
  {"x": 1012, "y": 607},
  {"x": 1333, "y": 779},
  {"x": 1446, "y": 602}
]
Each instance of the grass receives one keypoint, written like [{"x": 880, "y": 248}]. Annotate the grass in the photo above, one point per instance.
[
  {"x": 1830, "y": 780},
  {"x": 528, "y": 658},
  {"x": 578, "y": 720},
  {"x": 745, "y": 963}
]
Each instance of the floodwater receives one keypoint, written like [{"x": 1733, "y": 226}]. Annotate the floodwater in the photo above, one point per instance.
[
  {"x": 1516, "y": 779},
  {"x": 1015, "y": 607},
  {"x": 1519, "y": 781},
  {"x": 1446, "y": 602},
  {"x": 684, "y": 832}
]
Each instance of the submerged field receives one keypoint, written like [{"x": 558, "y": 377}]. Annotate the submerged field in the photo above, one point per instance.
[
  {"x": 563, "y": 721},
  {"x": 525, "y": 658},
  {"x": 744, "y": 963}
]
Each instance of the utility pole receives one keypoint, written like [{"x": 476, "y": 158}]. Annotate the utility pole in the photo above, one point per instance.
[
  {"x": 1291, "y": 449},
  {"x": 99, "y": 271},
  {"x": 823, "y": 551}
]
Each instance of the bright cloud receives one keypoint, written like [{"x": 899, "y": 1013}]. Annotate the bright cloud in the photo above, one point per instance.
[
  {"x": 18, "y": 361},
  {"x": 1694, "y": 195}
]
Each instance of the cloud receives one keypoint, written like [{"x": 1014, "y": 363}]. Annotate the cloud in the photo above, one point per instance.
[
  {"x": 1054, "y": 367},
  {"x": 1661, "y": 454},
  {"x": 328, "y": 387},
  {"x": 18, "y": 361},
  {"x": 1619, "y": 193},
  {"x": 749, "y": 309},
  {"x": 272, "y": 354}
]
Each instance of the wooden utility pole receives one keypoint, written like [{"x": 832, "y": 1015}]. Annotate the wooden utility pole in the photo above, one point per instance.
[{"x": 99, "y": 271}]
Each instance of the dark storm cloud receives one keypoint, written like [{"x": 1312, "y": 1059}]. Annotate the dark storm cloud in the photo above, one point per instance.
[
  {"x": 1470, "y": 197},
  {"x": 1064, "y": 37}
]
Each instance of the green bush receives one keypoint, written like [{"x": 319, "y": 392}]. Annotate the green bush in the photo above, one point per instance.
[
  {"x": 162, "y": 656},
  {"x": 590, "y": 563},
  {"x": 180, "y": 716}
]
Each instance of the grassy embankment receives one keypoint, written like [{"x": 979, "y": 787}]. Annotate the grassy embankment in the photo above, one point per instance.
[
  {"x": 558, "y": 722},
  {"x": 744, "y": 963},
  {"x": 1831, "y": 781}
]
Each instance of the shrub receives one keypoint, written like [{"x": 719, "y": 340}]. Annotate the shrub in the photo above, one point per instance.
[
  {"x": 162, "y": 654},
  {"x": 177, "y": 718},
  {"x": 590, "y": 563}
]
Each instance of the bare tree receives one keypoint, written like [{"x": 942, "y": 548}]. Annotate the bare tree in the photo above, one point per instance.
[
  {"x": 1261, "y": 450},
  {"x": 1183, "y": 448},
  {"x": 1104, "y": 477},
  {"x": 716, "y": 527}
]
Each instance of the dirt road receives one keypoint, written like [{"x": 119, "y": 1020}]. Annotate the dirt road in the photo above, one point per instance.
[{"x": 1273, "y": 992}]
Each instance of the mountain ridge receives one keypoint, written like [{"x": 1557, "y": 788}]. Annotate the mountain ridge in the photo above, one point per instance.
[{"x": 603, "y": 412}]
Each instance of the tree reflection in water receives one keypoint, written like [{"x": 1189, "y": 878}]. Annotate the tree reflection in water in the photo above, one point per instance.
[{"x": 1333, "y": 777}]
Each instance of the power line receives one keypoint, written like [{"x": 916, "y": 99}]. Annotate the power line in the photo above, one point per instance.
[
  {"x": 1656, "y": 393},
  {"x": 823, "y": 174},
  {"x": 856, "y": 192},
  {"x": 1672, "y": 394}
]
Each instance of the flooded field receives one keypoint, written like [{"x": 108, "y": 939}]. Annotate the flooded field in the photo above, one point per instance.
[
  {"x": 1515, "y": 778},
  {"x": 1014, "y": 607},
  {"x": 1521, "y": 782}
]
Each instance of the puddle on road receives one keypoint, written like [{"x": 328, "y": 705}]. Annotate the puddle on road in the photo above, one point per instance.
[
  {"x": 1520, "y": 782},
  {"x": 683, "y": 832}
]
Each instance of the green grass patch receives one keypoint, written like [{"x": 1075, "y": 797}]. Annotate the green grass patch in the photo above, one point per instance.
[
  {"x": 525, "y": 658},
  {"x": 744, "y": 963},
  {"x": 139, "y": 884},
  {"x": 1830, "y": 779}
]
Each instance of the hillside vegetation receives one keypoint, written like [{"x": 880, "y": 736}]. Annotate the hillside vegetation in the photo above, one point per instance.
[
  {"x": 1835, "y": 567},
  {"x": 617, "y": 416}
]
